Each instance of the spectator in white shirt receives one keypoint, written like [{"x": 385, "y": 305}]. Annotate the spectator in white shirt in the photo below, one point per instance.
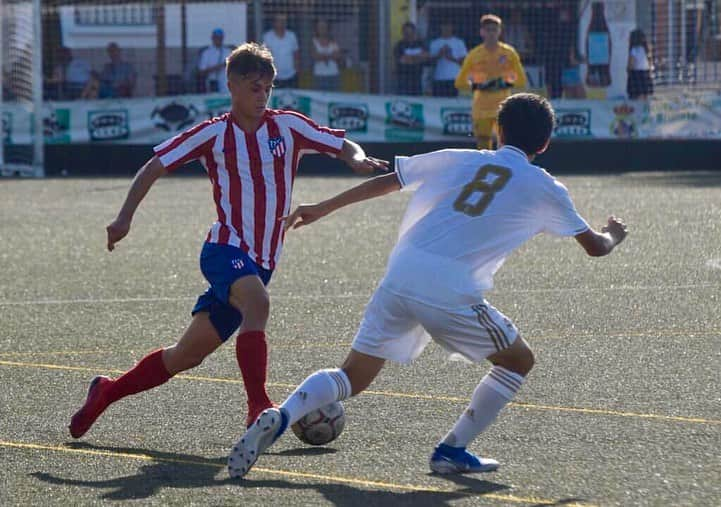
[
  {"x": 448, "y": 52},
  {"x": 326, "y": 57},
  {"x": 283, "y": 45},
  {"x": 639, "y": 84},
  {"x": 211, "y": 64},
  {"x": 70, "y": 76}
]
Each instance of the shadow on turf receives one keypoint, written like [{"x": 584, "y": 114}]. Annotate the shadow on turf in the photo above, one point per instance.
[
  {"x": 687, "y": 179},
  {"x": 186, "y": 471},
  {"x": 305, "y": 451}
]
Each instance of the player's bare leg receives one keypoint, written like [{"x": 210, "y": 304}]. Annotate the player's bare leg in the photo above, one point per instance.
[
  {"x": 517, "y": 358},
  {"x": 319, "y": 389},
  {"x": 361, "y": 370},
  {"x": 199, "y": 340},
  {"x": 250, "y": 297},
  {"x": 498, "y": 387}
]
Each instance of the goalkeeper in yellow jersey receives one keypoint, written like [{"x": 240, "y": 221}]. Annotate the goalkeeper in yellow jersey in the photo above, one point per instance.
[{"x": 491, "y": 70}]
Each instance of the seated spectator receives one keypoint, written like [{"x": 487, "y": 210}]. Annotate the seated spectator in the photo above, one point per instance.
[
  {"x": 448, "y": 51},
  {"x": 326, "y": 59},
  {"x": 118, "y": 77},
  {"x": 70, "y": 76},
  {"x": 283, "y": 45},
  {"x": 410, "y": 56},
  {"x": 211, "y": 65}
]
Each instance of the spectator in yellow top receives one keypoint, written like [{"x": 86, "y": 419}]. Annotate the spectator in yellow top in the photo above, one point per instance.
[{"x": 490, "y": 70}]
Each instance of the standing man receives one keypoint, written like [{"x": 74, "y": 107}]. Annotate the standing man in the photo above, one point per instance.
[
  {"x": 251, "y": 155},
  {"x": 448, "y": 51},
  {"x": 283, "y": 44},
  {"x": 211, "y": 64},
  {"x": 490, "y": 70},
  {"x": 410, "y": 56}
]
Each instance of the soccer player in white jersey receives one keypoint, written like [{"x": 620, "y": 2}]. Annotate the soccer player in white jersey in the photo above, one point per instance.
[
  {"x": 470, "y": 210},
  {"x": 251, "y": 155}
]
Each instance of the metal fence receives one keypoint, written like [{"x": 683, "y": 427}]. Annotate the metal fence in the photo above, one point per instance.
[{"x": 162, "y": 41}]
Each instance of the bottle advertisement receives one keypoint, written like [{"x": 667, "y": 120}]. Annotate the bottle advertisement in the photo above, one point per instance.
[{"x": 605, "y": 26}]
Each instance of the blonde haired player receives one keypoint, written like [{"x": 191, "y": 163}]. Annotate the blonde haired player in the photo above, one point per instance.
[
  {"x": 251, "y": 156},
  {"x": 490, "y": 70},
  {"x": 470, "y": 210}
]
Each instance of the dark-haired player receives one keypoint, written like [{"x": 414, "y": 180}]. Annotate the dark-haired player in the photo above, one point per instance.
[
  {"x": 470, "y": 210},
  {"x": 251, "y": 155}
]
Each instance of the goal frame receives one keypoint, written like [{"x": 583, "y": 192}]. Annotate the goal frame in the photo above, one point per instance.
[{"x": 36, "y": 167}]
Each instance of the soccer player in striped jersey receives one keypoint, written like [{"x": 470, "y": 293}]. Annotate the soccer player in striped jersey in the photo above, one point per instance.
[
  {"x": 251, "y": 155},
  {"x": 470, "y": 210}
]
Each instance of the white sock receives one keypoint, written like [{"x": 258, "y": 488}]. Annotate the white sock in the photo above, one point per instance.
[
  {"x": 316, "y": 391},
  {"x": 495, "y": 390}
]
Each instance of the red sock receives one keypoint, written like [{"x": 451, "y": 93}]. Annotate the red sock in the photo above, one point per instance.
[
  {"x": 251, "y": 350},
  {"x": 148, "y": 373}
]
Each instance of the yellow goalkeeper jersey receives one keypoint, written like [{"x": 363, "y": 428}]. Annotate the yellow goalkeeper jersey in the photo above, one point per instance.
[{"x": 494, "y": 71}]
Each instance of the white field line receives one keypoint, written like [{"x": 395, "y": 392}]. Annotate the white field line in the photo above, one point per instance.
[{"x": 307, "y": 297}]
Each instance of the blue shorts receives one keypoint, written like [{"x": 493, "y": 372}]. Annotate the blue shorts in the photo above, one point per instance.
[{"x": 221, "y": 266}]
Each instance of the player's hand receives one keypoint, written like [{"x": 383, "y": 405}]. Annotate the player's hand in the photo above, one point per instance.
[
  {"x": 616, "y": 228},
  {"x": 369, "y": 165},
  {"x": 117, "y": 230},
  {"x": 303, "y": 215}
]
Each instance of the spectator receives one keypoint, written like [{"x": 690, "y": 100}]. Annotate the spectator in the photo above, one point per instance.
[
  {"x": 118, "y": 77},
  {"x": 571, "y": 81},
  {"x": 70, "y": 76},
  {"x": 283, "y": 45},
  {"x": 326, "y": 59},
  {"x": 211, "y": 65},
  {"x": 410, "y": 56},
  {"x": 517, "y": 34},
  {"x": 559, "y": 54},
  {"x": 448, "y": 51},
  {"x": 639, "y": 84}
]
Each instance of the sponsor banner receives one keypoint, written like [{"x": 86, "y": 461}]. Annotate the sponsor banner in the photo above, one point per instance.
[
  {"x": 108, "y": 125},
  {"x": 375, "y": 118}
]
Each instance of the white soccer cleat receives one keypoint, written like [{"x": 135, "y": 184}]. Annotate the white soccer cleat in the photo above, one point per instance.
[
  {"x": 262, "y": 433},
  {"x": 457, "y": 460}
]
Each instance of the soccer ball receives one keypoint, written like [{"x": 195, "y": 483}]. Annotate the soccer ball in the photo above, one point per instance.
[{"x": 321, "y": 426}]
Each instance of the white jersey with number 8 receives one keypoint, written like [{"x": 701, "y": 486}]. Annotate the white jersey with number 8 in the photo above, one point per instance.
[{"x": 470, "y": 210}]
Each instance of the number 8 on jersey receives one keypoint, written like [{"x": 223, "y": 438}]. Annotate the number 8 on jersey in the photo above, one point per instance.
[{"x": 464, "y": 202}]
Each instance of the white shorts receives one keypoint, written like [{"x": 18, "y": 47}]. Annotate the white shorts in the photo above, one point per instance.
[{"x": 397, "y": 328}]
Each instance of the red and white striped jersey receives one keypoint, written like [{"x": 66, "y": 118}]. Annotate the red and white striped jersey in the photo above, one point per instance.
[{"x": 252, "y": 174}]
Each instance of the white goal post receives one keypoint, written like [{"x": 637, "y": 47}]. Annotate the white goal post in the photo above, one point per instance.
[{"x": 21, "y": 87}]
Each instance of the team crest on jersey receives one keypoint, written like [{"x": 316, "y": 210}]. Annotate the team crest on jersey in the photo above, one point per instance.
[
  {"x": 502, "y": 59},
  {"x": 276, "y": 145}
]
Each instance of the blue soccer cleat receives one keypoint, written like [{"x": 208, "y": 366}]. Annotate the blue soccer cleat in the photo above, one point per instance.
[
  {"x": 457, "y": 460},
  {"x": 262, "y": 433}
]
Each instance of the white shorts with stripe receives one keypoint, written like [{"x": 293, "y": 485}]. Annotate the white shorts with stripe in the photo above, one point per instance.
[{"x": 398, "y": 328}]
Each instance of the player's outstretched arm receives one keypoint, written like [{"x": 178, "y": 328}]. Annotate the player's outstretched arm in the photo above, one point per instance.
[
  {"x": 352, "y": 154},
  {"x": 601, "y": 243},
  {"x": 144, "y": 179},
  {"x": 308, "y": 213}
]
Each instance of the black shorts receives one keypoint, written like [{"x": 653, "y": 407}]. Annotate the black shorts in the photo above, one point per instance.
[{"x": 639, "y": 83}]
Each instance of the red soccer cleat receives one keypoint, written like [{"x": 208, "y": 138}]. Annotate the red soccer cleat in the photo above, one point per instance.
[
  {"x": 95, "y": 404},
  {"x": 255, "y": 411}
]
